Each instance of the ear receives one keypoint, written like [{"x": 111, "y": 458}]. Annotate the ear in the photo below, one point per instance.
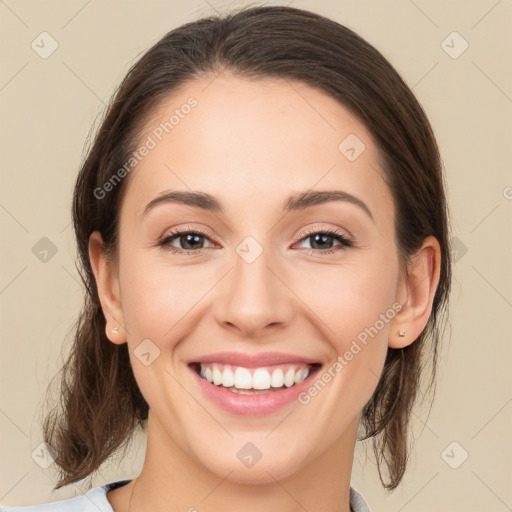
[
  {"x": 107, "y": 282},
  {"x": 416, "y": 294}
]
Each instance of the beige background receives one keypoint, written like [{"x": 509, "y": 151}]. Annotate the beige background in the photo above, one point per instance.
[{"x": 47, "y": 108}]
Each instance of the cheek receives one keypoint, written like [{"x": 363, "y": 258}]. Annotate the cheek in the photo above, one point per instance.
[
  {"x": 350, "y": 298},
  {"x": 353, "y": 305},
  {"x": 157, "y": 295}
]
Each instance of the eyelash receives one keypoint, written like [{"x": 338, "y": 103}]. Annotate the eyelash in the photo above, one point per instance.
[{"x": 337, "y": 235}]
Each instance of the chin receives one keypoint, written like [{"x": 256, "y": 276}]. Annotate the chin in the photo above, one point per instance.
[{"x": 252, "y": 463}]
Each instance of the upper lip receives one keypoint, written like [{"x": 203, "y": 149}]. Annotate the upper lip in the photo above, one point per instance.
[{"x": 253, "y": 360}]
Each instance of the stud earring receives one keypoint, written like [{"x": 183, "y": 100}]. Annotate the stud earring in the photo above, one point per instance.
[
  {"x": 401, "y": 332},
  {"x": 115, "y": 330}
]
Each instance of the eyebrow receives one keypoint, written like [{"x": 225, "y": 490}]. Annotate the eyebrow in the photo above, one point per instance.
[{"x": 297, "y": 202}]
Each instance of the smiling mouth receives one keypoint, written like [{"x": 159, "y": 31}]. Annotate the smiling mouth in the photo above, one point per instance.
[{"x": 253, "y": 381}]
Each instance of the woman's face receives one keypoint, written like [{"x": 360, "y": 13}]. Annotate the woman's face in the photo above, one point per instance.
[{"x": 260, "y": 275}]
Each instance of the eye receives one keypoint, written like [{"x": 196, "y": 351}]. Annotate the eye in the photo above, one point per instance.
[
  {"x": 190, "y": 240},
  {"x": 321, "y": 241}
]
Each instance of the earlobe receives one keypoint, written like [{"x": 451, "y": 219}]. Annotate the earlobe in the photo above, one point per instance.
[
  {"x": 416, "y": 294},
  {"x": 108, "y": 289}
]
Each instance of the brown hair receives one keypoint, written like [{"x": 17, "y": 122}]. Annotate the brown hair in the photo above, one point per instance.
[{"x": 100, "y": 403}]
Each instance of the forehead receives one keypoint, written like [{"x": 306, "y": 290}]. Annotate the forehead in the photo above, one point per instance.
[{"x": 246, "y": 138}]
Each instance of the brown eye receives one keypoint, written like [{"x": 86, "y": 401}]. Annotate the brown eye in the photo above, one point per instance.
[
  {"x": 321, "y": 242},
  {"x": 191, "y": 241}
]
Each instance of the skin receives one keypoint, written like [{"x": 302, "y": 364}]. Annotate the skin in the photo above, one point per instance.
[{"x": 252, "y": 144}]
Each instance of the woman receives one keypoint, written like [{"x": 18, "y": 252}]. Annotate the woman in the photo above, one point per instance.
[{"x": 262, "y": 227}]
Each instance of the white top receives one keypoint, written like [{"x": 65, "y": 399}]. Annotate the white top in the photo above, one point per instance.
[{"x": 95, "y": 500}]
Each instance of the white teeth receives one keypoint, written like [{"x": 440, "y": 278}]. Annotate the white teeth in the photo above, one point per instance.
[
  {"x": 301, "y": 375},
  {"x": 217, "y": 375},
  {"x": 289, "y": 378},
  {"x": 228, "y": 379},
  {"x": 243, "y": 379},
  {"x": 277, "y": 380},
  {"x": 260, "y": 378}
]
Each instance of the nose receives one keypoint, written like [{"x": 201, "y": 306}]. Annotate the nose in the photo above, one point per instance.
[{"x": 255, "y": 299}]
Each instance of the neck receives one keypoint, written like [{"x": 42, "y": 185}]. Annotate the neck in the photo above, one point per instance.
[{"x": 173, "y": 480}]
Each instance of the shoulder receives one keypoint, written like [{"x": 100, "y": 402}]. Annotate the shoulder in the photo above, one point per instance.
[
  {"x": 94, "y": 500},
  {"x": 357, "y": 502}
]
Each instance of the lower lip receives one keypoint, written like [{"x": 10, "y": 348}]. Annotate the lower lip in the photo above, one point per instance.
[{"x": 252, "y": 405}]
